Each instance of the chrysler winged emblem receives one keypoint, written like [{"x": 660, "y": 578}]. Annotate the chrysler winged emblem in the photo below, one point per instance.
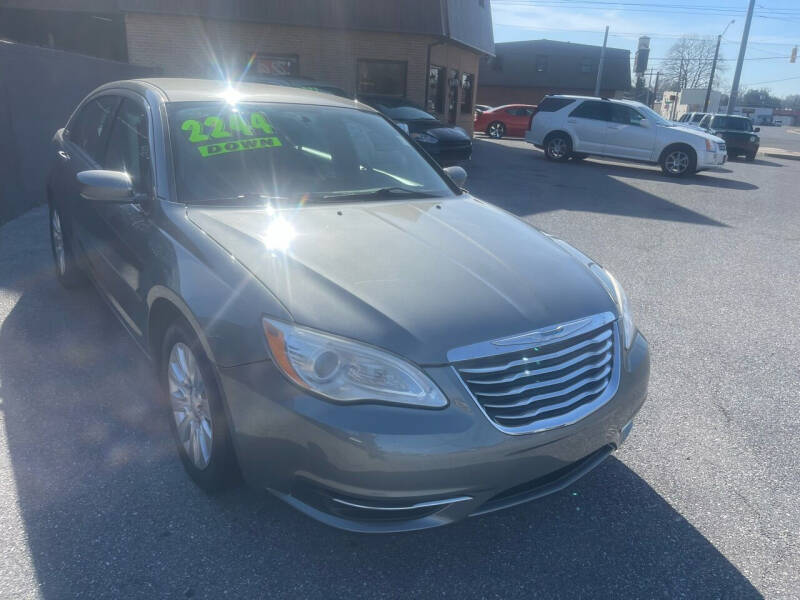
[{"x": 544, "y": 335}]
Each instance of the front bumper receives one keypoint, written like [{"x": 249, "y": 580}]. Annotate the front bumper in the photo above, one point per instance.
[
  {"x": 708, "y": 160},
  {"x": 373, "y": 468}
]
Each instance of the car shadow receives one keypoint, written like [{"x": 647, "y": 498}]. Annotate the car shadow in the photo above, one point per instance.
[
  {"x": 108, "y": 512},
  {"x": 520, "y": 180}
]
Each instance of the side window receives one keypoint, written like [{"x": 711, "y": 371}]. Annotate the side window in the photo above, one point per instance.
[
  {"x": 128, "y": 146},
  {"x": 554, "y": 104},
  {"x": 599, "y": 111},
  {"x": 625, "y": 115},
  {"x": 706, "y": 121},
  {"x": 89, "y": 129}
]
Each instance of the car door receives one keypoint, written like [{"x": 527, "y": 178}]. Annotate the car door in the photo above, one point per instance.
[
  {"x": 630, "y": 135},
  {"x": 82, "y": 148},
  {"x": 588, "y": 126},
  {"x": 124, "y": 231},
  {"x": 517, "y": 121}
]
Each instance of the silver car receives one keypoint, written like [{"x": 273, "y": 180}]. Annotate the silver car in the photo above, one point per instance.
[{"x": 332, "y": 316}]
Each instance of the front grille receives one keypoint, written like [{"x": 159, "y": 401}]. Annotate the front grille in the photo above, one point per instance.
[
  {"x": 722, "y": 147},
  {"x": 549, "y": 384}
]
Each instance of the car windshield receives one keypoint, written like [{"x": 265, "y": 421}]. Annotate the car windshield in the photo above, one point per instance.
[
  {"x": 651, "y": 114},
  {"x": 293, "y": 151},
  {"x": 734, "y": 123}
]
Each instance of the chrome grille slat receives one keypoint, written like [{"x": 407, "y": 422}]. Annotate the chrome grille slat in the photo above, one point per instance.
[
  {"x": 540, "y": 358},
  {"x": 550, "y": 395},
  {"x": 548, "y": 382},
  {"x": 543, "y": 383},
  {"x": 551, "y": 407},
  {"x": 534, "y": 372}
]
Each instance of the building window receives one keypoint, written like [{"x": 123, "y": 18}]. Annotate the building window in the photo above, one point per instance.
[
  {"x": 587, "y": 65},
  {"x": 270, "y": 64},
  {"x": 387, "y": 77},
  {"x": 467, "y": 84},
  {"x": 436, "y": 89},
  {"x": 541, "y": 63}
]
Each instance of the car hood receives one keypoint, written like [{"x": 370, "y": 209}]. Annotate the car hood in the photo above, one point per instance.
[
  {"x": 415, "y": 277},
  {"x": 437, "y": 130},
  {"x": 701, "y": 133}
]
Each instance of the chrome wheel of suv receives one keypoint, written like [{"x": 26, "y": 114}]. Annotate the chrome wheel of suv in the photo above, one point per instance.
[
  {"x": 557, "y": 147},
  {"x": 678, "y": 161}
]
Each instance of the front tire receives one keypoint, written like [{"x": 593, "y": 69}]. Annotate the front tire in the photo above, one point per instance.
[
  {"x": 558, "y": 147},
  {"x": 67, "y": 270},
  {"x": 197, "y": 415},
  {"x": 496, "y": 130},
  {"x": 678, "y": 161},
  {"x": 750, "y": 156}
]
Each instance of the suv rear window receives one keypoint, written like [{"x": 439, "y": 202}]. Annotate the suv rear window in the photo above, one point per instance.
[
  {"x": 554, "y": 104},
  {"x": 593, "y": 109}
]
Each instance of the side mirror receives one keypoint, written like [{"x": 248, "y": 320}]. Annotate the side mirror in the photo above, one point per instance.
[
  {"x": 644, "y": 123},
  {"x": 403, "y": 126},
  {"x": 106, "y": 186},
  {"x": 756, "y": 129},
  {"x": 457, "y": 174}
]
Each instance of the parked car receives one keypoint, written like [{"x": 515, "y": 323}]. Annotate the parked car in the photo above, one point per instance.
[
  {"x": 305, "y": 83},
  {"x": 479, "y": 108},
  {"x": 579, "y": 126},
  {"x": 738, "y": 133},
  {"x": 511, "y": 120},
  {"x": 692, "y": 119},
  {"x": 329, "y": 312},
  {"x": 446, "y": 143}
]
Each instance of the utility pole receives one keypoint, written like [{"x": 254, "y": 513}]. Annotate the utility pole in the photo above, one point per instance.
[
  {"x": 742, "y": 49},
  {"x": 714, "y": 65},
  {"x": 655, "y": 89},
  {"x": 600, "y": 66}
]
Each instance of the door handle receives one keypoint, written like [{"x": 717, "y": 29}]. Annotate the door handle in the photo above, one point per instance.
[
  {"x": 613, "y": 126},
  {"x": 571, "y": 121},
  {"x": 63, "y": 155}
]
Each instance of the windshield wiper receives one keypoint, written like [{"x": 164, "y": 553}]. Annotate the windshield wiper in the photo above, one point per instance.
[
  {"x": 379, "y": 193},
  {"x": 243, "y": 197}
]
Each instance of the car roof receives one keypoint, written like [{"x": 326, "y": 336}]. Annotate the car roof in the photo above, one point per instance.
[
  {"x": 514, "y": 105},
  {"x": 200, "y": 90}
]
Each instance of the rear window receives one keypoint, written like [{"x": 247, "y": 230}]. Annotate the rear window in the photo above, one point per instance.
[
  {"x": 592, "y": 109},
  {"x": 554, "y": 104}
]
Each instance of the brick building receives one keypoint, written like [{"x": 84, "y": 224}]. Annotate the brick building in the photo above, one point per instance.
[
  {"x": 425, "y": 50},
  {"x": 524, "y": 72}
]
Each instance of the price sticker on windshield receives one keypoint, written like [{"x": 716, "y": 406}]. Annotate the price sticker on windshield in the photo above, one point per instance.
[{"x": 215, "y": 135}]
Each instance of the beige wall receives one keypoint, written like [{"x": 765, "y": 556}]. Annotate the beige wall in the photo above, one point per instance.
[{"x": 190, "y": 46}]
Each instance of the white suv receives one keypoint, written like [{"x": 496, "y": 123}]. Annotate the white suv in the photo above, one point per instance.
[{"x": 577, "y": 126}]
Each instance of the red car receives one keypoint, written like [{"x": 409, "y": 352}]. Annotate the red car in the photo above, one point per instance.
[{"x": 510, "y": 119}]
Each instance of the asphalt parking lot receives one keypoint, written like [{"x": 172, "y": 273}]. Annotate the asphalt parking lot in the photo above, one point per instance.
[{"x": 700, "y": 503}]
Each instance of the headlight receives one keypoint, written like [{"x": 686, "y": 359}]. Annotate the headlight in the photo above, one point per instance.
[
  {"x": 347, "y": 371},
  {"x": 752, "y": 138},
  {"x": 424, "y": 138},
  {"x": 709, "y": 145},
  {"x": 621, "y": 299}
]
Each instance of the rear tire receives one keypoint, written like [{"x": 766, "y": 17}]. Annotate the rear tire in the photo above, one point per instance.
[
  {"x": 678, "y": 161},
  {"x": 496, "y": 130},
  {"x": 557, "y": 147},
  {"x": 196, "y": 413},
  {"x": 68, "y": 272},
  {"x": 750, "y": 156}
]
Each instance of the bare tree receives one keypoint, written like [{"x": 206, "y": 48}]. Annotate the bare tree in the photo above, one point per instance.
[{"x": 688, "y": 63}]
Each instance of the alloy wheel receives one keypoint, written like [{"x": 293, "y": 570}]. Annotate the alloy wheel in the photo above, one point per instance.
[
  {"x": 557, "y": 147},
  {"x": 676, "y": 162},
  {"x": 190, "y": 406},
  {"x": 58, "y": 242},
  {"x": 496, "y": 130}
]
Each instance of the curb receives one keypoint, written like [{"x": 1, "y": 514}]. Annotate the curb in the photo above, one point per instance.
[{"x": 780, "y": 153}]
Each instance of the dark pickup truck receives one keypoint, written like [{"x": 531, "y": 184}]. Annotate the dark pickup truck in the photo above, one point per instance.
[{"x": 738, "y": 132}]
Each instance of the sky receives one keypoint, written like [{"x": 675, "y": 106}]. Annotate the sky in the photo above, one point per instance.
[{"x": 775, "y": 29}]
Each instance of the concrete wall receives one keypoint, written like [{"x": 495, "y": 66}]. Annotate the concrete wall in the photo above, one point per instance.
[{"x": 40, "y": 88}]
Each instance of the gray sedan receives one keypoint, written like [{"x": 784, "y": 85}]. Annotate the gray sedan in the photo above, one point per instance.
[{"x": 332, "y": 317}]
